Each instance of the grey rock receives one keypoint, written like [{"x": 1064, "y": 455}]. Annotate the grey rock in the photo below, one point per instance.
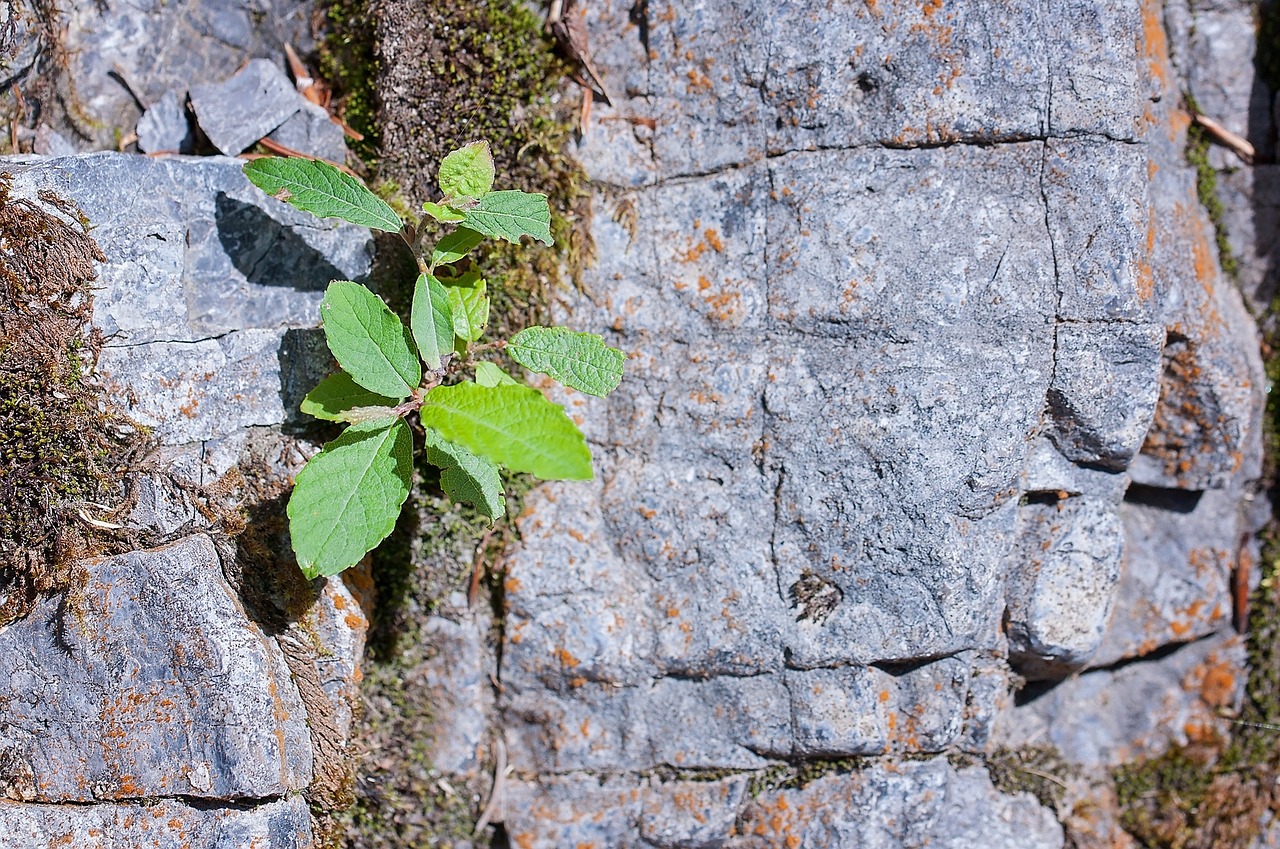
[
  {"x": 1094, "y": 190},
  {"x": 162, "y": 824},
  {"x": 209, "y": 348},
  {"x": 208, "y": 288},
  {"x": 164, "y": 127},
  {"x": 1104, "y": 392},
  {"x": 912, "y": 804},
  {"x": 160, "y": 505},
  {"x": 237, "y": 112},
  {"x": 114, "y": 696},
  {"x": 460, "y": 672},
  {"x": 193, "y": 249},
  {"x": 1150, "y": 706},
  {"x": 1175, "y": 586},
  {"x": 677, "y": 814},
  {"x": 1062, "y": 585},
  {"x": 903, "y": 319},
  {"x": 21, "y": 43},
  {"x": 310, "y": 130},
  {"x": 50, "y": 143},
  {"x": 159, "y": 47}
]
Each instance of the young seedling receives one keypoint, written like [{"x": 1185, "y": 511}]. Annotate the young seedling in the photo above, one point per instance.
[{"x": 347, "y": 498}]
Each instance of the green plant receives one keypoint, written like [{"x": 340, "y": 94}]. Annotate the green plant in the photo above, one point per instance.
[{"x": 346, "y": 500}]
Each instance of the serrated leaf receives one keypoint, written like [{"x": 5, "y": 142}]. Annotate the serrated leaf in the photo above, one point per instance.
[
  {"x": 464, "y": 476},
  {"x": 322, "y": 190},
  {"x": 337, "y": 394},
  {"x": 467, "y": 172},
  {"x": 347, "y": 498},
  {"x": 514, "y": 426},
  {"x": 455, "y": 246},
  {"x": 579, "y": 360},
  {"x": 441, "y": 213},
  {"x": 510, "y": 215},
  {"x": 488, "y": 374},
  {"x": 470, "y": 306},
  {"x": 369, "y": 342},
  {"x": 431, "y": 320}
]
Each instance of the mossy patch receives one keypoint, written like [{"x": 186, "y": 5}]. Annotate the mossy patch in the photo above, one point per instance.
[
  {"x": 1038, "y": 770},
  {"x": 348, "y": 62},
  {"x": 1197, "y": 156},
  {"x": 799, "y": 775},
  {"x": 420, "y": 80},
  {"x": 1214, "y": 792},
  {"x": 61, "y": 443}
]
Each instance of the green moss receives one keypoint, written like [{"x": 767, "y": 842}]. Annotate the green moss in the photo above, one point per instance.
[
  {"x": 1038, "y": 770},
  {"x": 1197, "y": 156},
  {"x": 60, "y": 441},
  {"x": 1214, "y": 793},
  {"x": 800, "y": 774},
  {"x": 349, "y": 63}
]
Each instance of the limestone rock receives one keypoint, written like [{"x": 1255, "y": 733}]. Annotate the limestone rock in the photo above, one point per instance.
[
  {"x": 310, "y": 130},
  {"x": 906, "y": 324},
  {"x": 237, "y": 112},
  {"x": 196, "y": 669},
  {"x": 164, "y": 824},
  {"x": 163, "y": 47},
  {"x": 154, "y": 684},
  {"x": 164, "y": 127}
]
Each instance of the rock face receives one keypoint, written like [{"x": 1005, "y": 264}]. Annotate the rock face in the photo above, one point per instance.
[
  {"x": 194, "y": 692},
  {"x": 936, "y": 388},
  {"x": 935, "y": 383},
  {"x": 156, "y": 48}
]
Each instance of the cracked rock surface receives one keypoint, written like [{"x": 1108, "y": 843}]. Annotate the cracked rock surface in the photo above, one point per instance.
[
  {"x": 192, "y": 692},
  {"x": 935, "y": 384},
  {"x": 936, "y": 387}
]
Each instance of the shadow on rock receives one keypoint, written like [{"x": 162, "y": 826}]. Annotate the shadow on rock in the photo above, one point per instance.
[{"x": 268, "y": 253}]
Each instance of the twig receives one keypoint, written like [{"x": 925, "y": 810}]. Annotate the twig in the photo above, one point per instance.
[
  {"x": 301, "y": 78},
  {"x": 18, "y": 114},
  {"x": 477, "y": 569},
  {"x": 1046, "y": 776},
  {"x": 493, "y": 809},
  {"x": 1234, "y": 142}
]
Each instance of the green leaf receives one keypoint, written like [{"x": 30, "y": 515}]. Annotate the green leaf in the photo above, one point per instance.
[
  {"x": 470, "y": 307},
  {"x": 465, "y": 476},
  {"x": 346, "y": 500},
  {"x": 488, "y": 374},
  {"x": 580, "y": 360},
  {"x": 441, "y": 213},
  {"x": 322, "y": 190},
  {"x": 467, "y": 172},
  {"x": 510, "y": 215},
  {"x": 512, "y": 425},
  {"x": 431, "y": 319},
  {"x": 337, "y": 394},
  {"x": 369, "y": 342},
  {"x": 455, "y": 246}
]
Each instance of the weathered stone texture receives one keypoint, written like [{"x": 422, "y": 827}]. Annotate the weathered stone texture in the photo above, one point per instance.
[
  {"x": 238, "y": 111},
  {"x": 159, "y": 47},
  {"x": 188, "y": 670},
  {"x": 124, "y": 689},
  {"x": 934, "y": 381},
  {"x": 164, "y": 824},
  {"x": 203, "y": 277},
  {"x": 917, "y": 803}
]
